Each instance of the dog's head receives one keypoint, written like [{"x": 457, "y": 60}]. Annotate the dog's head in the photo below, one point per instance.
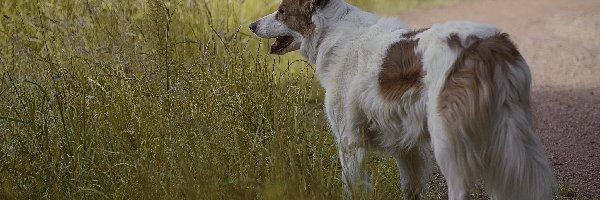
[{"x": 291, "y": 24}]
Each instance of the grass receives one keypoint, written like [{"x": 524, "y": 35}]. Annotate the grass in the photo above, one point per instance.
[
  {"x": 565, "y": 190},
  {"x": 108, "y": 99}
]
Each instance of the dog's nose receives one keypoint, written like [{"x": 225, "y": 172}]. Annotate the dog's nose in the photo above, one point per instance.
[{"x": 253, "y": 26}]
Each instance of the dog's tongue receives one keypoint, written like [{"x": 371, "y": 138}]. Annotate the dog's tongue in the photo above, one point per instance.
[{"x": 280, "y": 44}]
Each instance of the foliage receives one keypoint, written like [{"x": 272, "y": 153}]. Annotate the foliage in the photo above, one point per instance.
[{"x": 137, "y": 99}]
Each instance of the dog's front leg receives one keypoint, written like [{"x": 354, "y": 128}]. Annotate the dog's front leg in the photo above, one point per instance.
[
  {"x": 349, "y": 127},
  {"x": 354, "y": 177},
  {"x": 352, "y": 149}
]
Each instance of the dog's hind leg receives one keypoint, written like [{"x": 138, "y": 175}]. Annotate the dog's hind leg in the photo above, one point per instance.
[
  {"x": 450, "y": 157},
  {"x": 414, "y": 167}
]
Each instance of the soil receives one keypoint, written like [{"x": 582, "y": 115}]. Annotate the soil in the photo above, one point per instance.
[{"x": 560, "y": 39}]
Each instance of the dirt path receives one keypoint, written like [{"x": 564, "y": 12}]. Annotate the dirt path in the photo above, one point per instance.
[{"x": 561, "y": 41}]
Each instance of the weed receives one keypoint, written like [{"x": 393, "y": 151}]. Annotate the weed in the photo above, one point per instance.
[
  {"x": 108, "y": 99},
  {"x": 565, "y": 190}
]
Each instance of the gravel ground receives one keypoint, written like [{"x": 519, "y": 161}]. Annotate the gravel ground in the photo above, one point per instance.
[{"x": 561, "y": 41}]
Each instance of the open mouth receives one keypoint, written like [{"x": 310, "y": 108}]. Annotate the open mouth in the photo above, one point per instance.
[{"x": 281, "y": 44}]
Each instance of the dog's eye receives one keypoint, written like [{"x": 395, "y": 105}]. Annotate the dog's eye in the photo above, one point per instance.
[{"x": 281, "y": 11}]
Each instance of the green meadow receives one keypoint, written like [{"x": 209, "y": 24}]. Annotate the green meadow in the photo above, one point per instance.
[{"x": 152, "y": 99}]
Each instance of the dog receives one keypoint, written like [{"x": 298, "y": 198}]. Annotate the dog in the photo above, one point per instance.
[{"x": 458, "y": 90}]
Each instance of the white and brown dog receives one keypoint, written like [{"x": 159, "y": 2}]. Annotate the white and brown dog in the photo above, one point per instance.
[{"x": 460, "y": 87}]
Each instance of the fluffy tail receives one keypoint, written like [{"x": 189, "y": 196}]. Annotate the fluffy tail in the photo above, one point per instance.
[{"x": 486, "y": 100}]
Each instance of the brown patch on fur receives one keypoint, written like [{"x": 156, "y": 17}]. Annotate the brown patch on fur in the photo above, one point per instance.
[
  {"x": 297, "y": 14},
  {"x": 401, "y": 71},
  {"x": 455, "y": 42},
  {"x": 412, "y": 34},
  {"x": 469, "y": 91}
]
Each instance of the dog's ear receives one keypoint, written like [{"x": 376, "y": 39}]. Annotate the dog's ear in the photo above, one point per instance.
[
  {"x": 320, "y": 3},
  {"x": 313, "y": 5}
]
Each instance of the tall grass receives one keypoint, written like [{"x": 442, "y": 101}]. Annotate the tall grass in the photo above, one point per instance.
[{"x": 150, "y": 99}]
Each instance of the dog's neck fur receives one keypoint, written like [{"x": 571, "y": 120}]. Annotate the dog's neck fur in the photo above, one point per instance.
[
  {"x": 338, "y": 25},
  {"x": 326, "y": 19}
]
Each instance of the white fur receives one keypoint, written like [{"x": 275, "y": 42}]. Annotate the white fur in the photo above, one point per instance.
[
  {"x": 269, "y": 27},
  {"x": 348, "y": 47}
]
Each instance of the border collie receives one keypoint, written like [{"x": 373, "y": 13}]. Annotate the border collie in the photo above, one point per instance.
[{"x": 458, "y": 88}]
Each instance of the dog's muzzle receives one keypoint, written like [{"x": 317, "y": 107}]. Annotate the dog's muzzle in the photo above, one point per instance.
[{"x": 253, "y": 27}]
